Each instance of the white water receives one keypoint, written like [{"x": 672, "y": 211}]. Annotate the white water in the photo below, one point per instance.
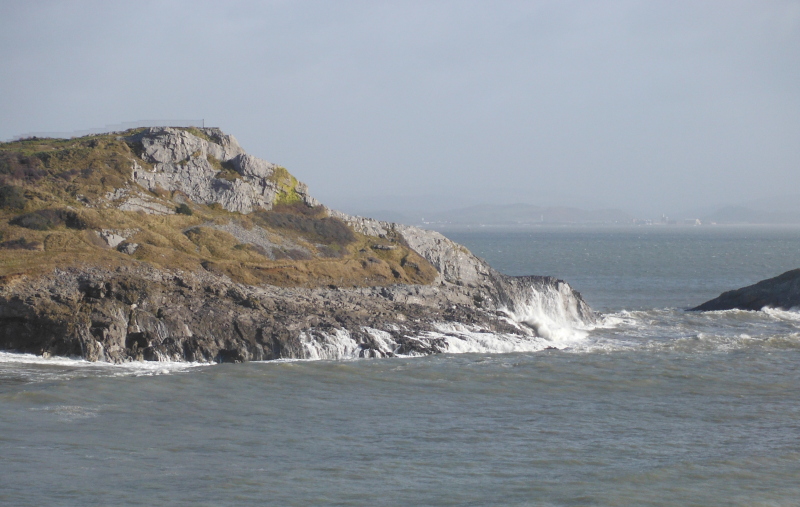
[
  {"x": 552, "y": 314},
  {"x": 545, "y": 319},
  {"x": 37, "y": 368}
]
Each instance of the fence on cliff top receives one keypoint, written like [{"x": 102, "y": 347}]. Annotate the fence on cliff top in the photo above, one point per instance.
[{"x": 113, "y": 128}]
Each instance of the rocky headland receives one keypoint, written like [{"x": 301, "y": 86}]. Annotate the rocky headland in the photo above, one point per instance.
[
  {"x": 781, "y": 292},
  {"x": 175, "y": 244}
]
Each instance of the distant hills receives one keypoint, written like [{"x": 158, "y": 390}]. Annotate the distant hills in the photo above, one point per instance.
[
  {"x": 782, "y": 209},
  {"x": 775, "y": 210},
  {"x": 524, "y": 214},
  {"x": 746, "y": 215}
]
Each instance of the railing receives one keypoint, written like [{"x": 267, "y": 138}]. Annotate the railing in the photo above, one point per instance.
[{"x": 114, "y": 128}]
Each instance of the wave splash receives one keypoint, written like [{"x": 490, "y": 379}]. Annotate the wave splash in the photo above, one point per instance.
[
  {"x": 548, "y": 320},
  {"x": 546, "y": 312},
  {"x": 551, "y": 311}
]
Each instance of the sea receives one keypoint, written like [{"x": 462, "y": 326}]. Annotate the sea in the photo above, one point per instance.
[{"x": 650, "y": 406}]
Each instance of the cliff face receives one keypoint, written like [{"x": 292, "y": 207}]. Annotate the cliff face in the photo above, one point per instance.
[
  {"x": 179, "y": 161},
  {"x": 252, "y": 268}
]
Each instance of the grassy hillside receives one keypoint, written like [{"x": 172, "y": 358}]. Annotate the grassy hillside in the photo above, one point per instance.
[{"x": 57, "y": 202}]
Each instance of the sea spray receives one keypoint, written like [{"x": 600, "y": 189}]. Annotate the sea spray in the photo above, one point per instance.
[
  {"x": 545, "y": 307},
  {"x": 546, "y": 312}
]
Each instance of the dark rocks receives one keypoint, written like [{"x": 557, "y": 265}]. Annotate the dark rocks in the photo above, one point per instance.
[
  {"x": 781, "y": 292},
  {"x": 143, "y": 313}
]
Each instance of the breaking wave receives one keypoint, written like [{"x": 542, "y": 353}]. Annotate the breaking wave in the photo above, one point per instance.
[
  {"x": 662, "y": 330},
  {"x": 546, "y": 317},
  {"x": 551, "y": 312}
]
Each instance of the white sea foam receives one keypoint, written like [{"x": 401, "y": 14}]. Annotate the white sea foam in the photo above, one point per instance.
[
  {"x": 135, "y": 368},
  {"x": 546, "y": 319},
  {"x": 467, "y": 339},
  {"x": 336, "y": 345},
  {"x": 551, "y": 313},
  {"x": 453, "y": 338},
  {"x": 14, "y": 357},
  {"x": 792, "y": 315}
]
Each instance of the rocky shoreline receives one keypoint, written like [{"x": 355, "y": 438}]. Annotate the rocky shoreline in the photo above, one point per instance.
[
  {"x": 152, "y": 315},
  {"x": 175, "y": 244}
]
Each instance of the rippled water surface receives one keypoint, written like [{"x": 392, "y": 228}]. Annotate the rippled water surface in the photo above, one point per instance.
[
  {"x": 655, "y": 406},
  {"x": 640, "y": 267}
]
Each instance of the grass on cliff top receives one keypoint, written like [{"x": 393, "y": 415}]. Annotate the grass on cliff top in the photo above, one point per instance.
[
  {"x": 45, "y": 222},
  {"x": 191, "y": 243}
]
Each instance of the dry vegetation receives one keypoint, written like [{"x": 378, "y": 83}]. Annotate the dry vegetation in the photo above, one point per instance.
[{"x": 50, "y": 217}]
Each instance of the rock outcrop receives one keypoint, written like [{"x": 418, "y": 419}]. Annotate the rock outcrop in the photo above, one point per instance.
[
  {"x": 124, "y": 301},
  {"x": 782, "y": 292},
  {"x": 214, "y": 169},
  {"x": 454, "y": 262}
]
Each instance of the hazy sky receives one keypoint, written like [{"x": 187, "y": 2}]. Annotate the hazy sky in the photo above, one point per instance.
[{"x": 646, "y": 106}]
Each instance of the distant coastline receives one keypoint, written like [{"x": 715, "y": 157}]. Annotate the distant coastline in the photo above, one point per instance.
[{"x": 784, "y": 211}]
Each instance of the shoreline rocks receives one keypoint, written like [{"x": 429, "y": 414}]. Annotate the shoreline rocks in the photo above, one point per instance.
[
  {"x": 147, "y": 314},
  {"x": 781, "y": 292}
]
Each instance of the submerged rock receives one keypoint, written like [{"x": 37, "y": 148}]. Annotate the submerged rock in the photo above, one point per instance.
[{"x": 782, "y": 292}]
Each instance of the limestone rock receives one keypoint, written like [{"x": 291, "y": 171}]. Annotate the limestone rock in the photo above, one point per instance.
[
  {"x": 146, "y": 205},
  {"x": 196, "y": 166},
  {"x": 128, "y": 248},
  {"x": 143, "y": 313},
  {"x": 110, "y": 237},
  {"x": 454, "y": 262}
]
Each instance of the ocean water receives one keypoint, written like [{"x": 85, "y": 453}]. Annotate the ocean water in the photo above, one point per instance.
[{"x": 653, "y": 406}]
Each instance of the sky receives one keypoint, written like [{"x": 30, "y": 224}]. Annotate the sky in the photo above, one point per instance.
[{"x": 646, "y": 106}]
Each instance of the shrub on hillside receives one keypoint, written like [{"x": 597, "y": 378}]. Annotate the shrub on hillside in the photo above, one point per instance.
[
  {"x": 325, "y": 230},
  {"x": 21, "y": 244},
  {"x": 184, "y": 209},
  {"x": 300, "y": 208},
  {"x": 12, "y": 197},
  {"x": 16, "y": 166},
  {"x": 46, "y": 219}
]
